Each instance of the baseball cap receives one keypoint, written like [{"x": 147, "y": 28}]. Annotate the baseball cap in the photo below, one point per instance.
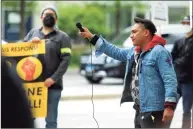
[{"x": 186, "y": 19}]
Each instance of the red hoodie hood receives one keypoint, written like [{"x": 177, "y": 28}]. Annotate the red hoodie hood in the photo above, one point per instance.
[{"x": 155, "y": 41}]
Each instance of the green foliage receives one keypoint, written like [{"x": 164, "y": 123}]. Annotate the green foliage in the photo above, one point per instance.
[
  {"x": 99, "y": 18},
  {"x": 92, "y": 16},
  {"x": 14, "y": 5},
  {"x": 77, "y": 50}
]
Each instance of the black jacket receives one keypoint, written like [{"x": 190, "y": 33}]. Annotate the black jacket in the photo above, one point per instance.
[
  {"x": 182, "y": 59},
  {"x": 57, "y": 56},
  {"x": 15, "y": 111}
]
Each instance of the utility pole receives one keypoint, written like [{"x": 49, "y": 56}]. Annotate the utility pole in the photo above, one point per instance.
[{"x": 22, "y": 14}]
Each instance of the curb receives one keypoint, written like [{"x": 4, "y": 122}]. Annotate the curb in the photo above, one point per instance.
[
  {"x": 72, "y": 71},
  {"x": 88, "y": 97}
]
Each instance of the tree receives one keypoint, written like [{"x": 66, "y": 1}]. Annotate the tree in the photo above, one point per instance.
[
  {"x": 95, "y": 15},
  {"x": 22, "y": 24},
  {"x": 91, "y": 15},
  {"x": 118, "y": 16}
]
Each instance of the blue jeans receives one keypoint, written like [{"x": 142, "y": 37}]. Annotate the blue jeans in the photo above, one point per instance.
[
  {"x": 54, "y": 96},
  {"x": 186, "y": 91}
]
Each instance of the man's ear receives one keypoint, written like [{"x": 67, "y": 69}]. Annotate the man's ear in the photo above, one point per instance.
[
  {"x": 147, "y": 32},
  {"x": 41, "y": 17}
]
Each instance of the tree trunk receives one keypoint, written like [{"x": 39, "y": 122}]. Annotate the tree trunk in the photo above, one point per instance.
[
  {"x": 118, "y": 16},
  {"x": 22, "y": 24}
]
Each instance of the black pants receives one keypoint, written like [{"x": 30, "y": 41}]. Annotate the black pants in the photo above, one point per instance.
[
  {"x": 186, "y": 92},
  {"x": 149, "y": 119}
]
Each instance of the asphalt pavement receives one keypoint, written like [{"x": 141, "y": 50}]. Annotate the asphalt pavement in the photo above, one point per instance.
[{"x": 76, "y": 87}]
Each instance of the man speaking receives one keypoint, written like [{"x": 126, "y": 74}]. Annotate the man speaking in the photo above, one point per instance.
[{"x": 149, "y": 75}]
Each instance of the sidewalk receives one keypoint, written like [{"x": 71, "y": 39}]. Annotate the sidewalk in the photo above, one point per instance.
[{"x": 85, "y": 93}]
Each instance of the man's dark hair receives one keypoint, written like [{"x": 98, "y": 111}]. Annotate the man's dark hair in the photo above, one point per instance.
[{"x": 147, "y": 24}]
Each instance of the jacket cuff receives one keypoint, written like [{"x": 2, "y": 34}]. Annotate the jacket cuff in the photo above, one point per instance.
[
  {"x": 171, "y": 105},
  {"x": 54, "y": 78},
  {"x": 94, "y": 40}
]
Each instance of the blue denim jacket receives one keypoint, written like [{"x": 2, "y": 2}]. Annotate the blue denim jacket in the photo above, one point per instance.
[{"x": 157, "y": 78}]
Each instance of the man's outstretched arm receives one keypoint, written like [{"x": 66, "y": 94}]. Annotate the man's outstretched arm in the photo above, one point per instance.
[{"x": 103, "y": 46}]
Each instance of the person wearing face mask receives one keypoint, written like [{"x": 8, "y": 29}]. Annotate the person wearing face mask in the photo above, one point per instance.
[
  {"x": 182, "y": 58},
  {"x": 56, "y": 59}
]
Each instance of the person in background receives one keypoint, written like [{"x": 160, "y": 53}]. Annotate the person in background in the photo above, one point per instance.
[
  {"x": 56, "y": 59},
  {"x": 182, "y": 54}
]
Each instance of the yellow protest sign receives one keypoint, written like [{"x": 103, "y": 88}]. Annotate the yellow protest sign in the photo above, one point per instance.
[
  {"x": 23, "y": 49},
  {"x": 29, "y": 68},
  {"x": 27, "y": 59},
  {"x": 37, "y": 94}
]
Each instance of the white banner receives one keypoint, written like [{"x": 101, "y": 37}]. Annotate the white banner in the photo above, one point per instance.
[{"x": 159, "y": 13}]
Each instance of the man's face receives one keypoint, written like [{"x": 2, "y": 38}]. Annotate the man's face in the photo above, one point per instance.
[
  {"x": 187, "y": 27},
  {"x": 45, "y": 16},
  {"x": 138, "y": 34}
]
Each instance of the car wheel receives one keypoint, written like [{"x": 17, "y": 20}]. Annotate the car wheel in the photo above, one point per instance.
[{"x": 94, "y": 80}]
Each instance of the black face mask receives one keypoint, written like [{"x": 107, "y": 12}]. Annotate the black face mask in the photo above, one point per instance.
[{"x": 49, "y": 21}]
